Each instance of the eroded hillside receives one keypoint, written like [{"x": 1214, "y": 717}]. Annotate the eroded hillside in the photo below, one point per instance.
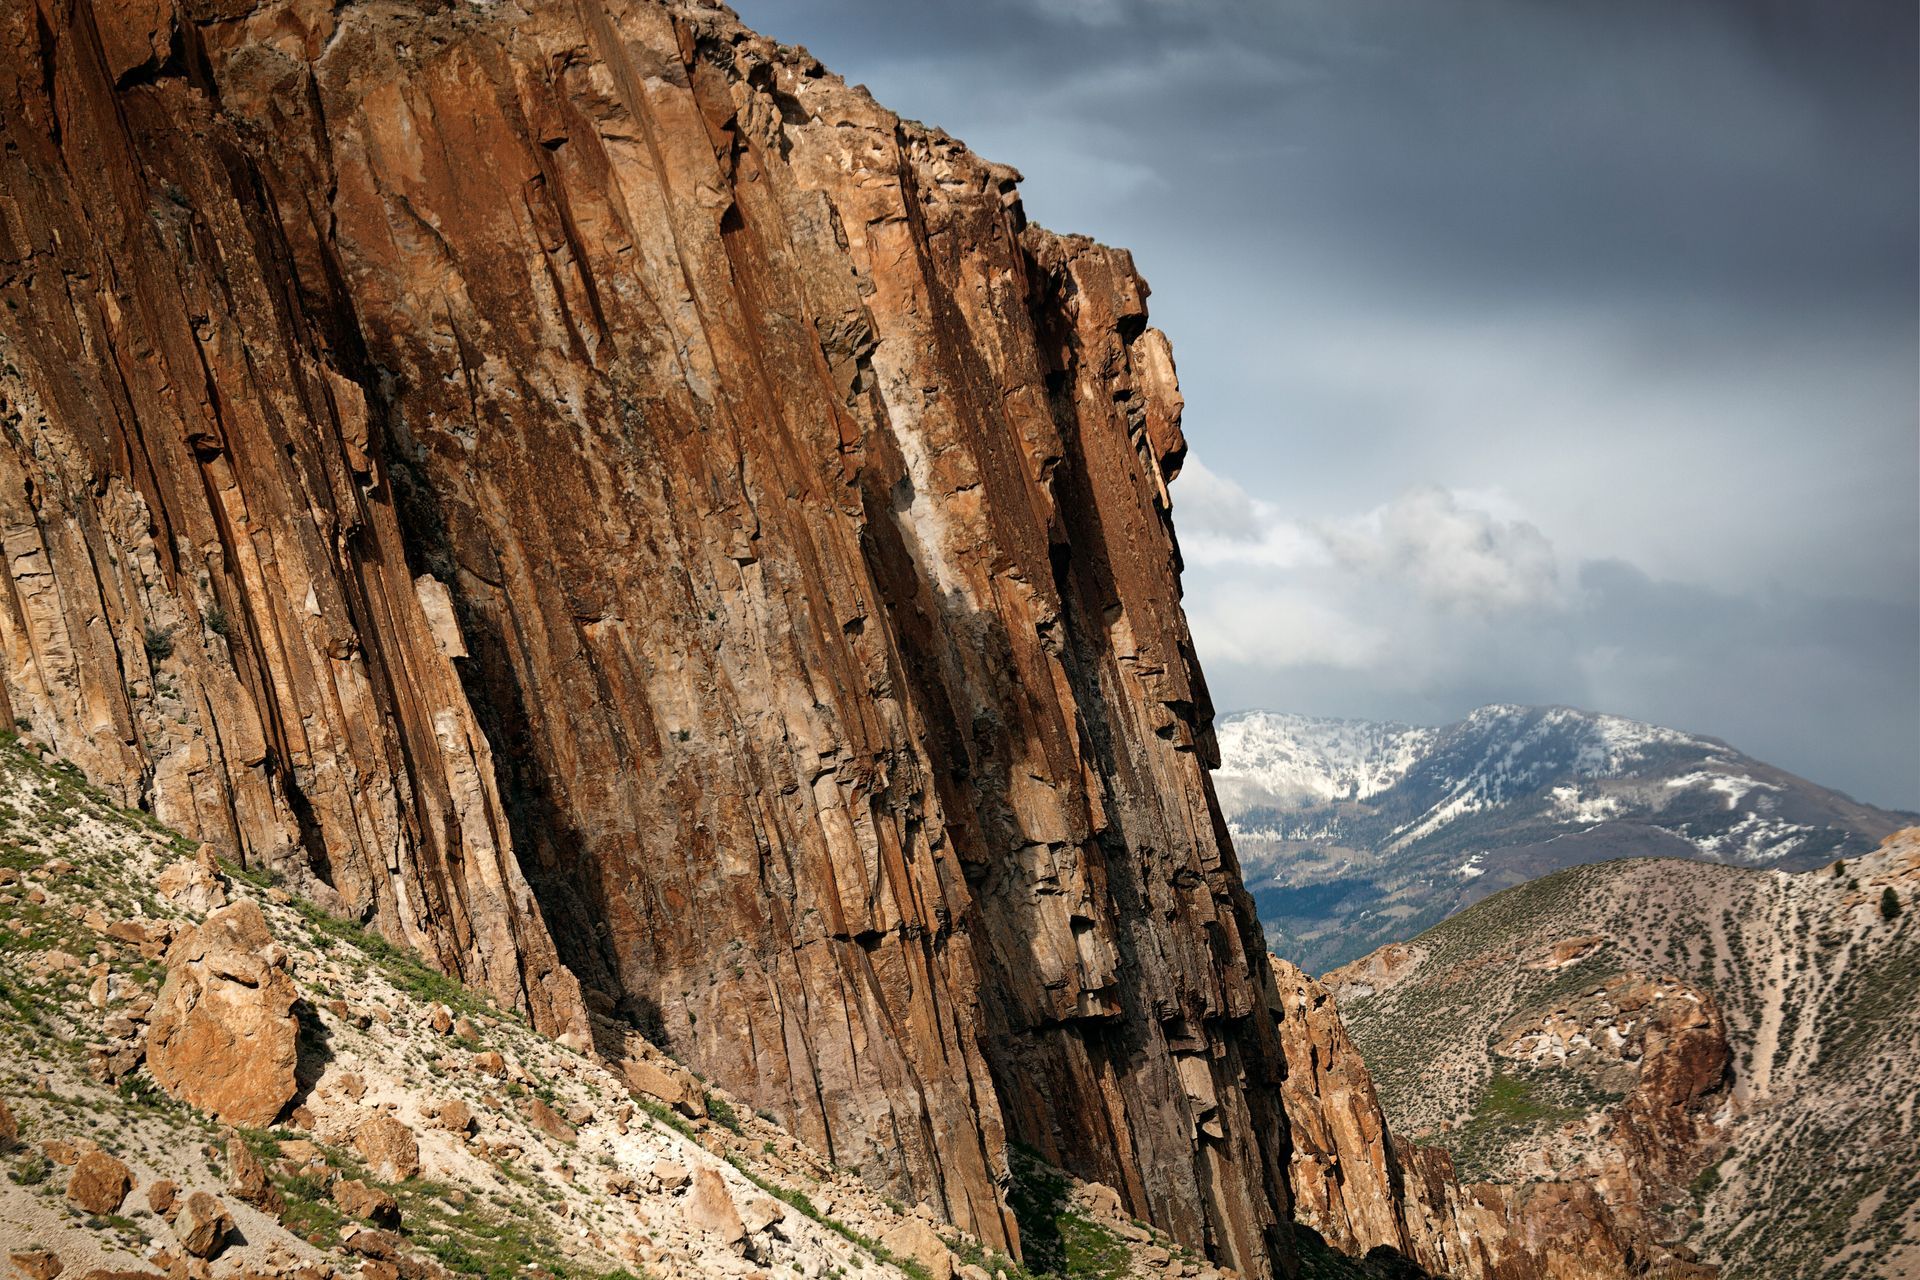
[
  {"x": 411, "y": 1129},
  {"x": 1727, "y": 1054}
]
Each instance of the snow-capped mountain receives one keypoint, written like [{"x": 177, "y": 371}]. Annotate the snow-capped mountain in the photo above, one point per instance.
[
  {"x": 1353, "y": 833},
  {"x": 1286, "y": 760}
]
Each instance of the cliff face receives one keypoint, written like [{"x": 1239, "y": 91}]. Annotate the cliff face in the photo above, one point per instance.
[
  {"x": 1587, "y": 1206},
  {"x": 588, "y": 491}
]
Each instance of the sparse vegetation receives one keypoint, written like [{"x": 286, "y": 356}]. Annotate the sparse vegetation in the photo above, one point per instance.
[
  {"x": 159, "y": 644},
  {"x": 1821, "y": 1001},
  {"x": 721, "y": 1112}
]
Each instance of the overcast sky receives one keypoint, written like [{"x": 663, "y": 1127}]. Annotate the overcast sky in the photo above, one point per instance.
[{"x": 1542, "y": 351}]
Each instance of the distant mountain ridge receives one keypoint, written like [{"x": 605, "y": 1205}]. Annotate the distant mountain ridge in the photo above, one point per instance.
[{"x": 1355, "y": 833}]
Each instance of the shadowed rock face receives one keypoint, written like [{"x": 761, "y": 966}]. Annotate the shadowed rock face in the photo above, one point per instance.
[{"x": 586, "y": 489}]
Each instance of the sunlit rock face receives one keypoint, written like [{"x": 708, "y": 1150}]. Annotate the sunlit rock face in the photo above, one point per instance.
[{"x": 584, "y": 488}]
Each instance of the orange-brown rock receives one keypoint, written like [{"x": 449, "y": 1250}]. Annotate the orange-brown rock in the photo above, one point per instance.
[
  {"x": 388, "y": 1146},
  {"x": 247, "y": 1179},
  {"x": 915, "y": 1240},
  {"x": 191, "y": 886},
  {"x": 202, "y": 1225},
  {"x": 161, "y": 1196},
  {"x": 709, "y": 1207},
  {"x": 9, "y": 1128},
  {"x": 99, "y": 1183},
  {"x": 358, "y": 1200},
  {"x": 455, "y": 1115},
  {"x": 664, "y": 1081},
  {"x": 224, "y": 1036},
  {"x": 584, "y": 488},
  {"x": 1346, "y": 1181},
  {"x": 548, "y": 1121},
  {"x": 37, "y": 1264}
]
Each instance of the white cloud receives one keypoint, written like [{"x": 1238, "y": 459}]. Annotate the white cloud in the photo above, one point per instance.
[
  {"x": 1449, "y": 549},
  {"x": 1455, "y": 556},
  {"x": 1261, "y": 625},
  {"x": 1221, "y": 525}
]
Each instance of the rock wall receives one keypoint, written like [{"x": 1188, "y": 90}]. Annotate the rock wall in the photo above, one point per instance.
[{"x": 584, "y": 488}]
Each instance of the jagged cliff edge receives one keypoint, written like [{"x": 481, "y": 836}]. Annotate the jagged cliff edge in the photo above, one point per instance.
[{"x": 583, "y": 488}]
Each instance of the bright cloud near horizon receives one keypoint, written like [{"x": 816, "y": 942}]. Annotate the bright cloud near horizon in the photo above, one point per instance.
[{"x": 1533, "y": 352}]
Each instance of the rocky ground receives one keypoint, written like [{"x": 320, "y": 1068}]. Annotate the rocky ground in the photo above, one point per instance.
[
  {"x": 203, "y": 1076},
  {"x": 1726, "y": 1056}
]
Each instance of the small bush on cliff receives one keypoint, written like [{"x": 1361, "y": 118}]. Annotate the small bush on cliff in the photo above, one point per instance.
[
  {"x": 159, "y": 644},
  {"x": 721, "y": 1112},
  {"x": 1889, "y": 904}
]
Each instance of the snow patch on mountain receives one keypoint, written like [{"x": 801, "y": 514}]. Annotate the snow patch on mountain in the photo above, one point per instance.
[
  {"x": 1287, "y": 761},
  {"x": 1570, "y": 805},
  {"x": 1733, "y": 787}
]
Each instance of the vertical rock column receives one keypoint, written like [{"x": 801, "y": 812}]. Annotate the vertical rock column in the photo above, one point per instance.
[
  {"x": 210, "y": 609},
  {"x": 590, "y": 439}
]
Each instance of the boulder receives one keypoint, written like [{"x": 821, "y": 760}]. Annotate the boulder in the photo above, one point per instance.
[
  {"x": 762, "y": 1213},
  {"x": 37, "y": 1264},
  {"x": 669, "y": 1083},
  {"x": 549, "y": 1121},
  {"x": 247, "y": 1179},
  {"x": 671, "y": 1174},
  {"x": 64, "y": 1152},
  {"x": 161, "y": 1196},
  {"x": 189, "y": 885},
  {"x": 709, "y": 1207},
  {"x": 370, "y": 1242},
  {"x": 455, "y": 1115},
  {"x": 202, "y": 1225},
  {"x": 918, "y": 1242},
  {"x": 389, "y": 1147},
  {"x": 99, "y": 1184},
  {"x": 224, "y": 1036},
  {"x": 358, "y": 1200}
]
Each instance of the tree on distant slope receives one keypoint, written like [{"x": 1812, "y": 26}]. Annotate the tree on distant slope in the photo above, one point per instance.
[{"x": 1889, "y": 904}]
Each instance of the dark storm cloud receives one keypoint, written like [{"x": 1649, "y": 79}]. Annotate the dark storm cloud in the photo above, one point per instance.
[{"x": 1635, "y": 275}]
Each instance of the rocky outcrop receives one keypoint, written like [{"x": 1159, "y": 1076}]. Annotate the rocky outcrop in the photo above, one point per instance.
[
  {"x": 388, "y": 1146},
  {"x": 588, "y": 491},
  {"x": 224, "y": 1036},
  {"x": 1589, "y": 1207},
  {"x": 202, "y": 1225},
  {"x": 1661, "y": 1046},
  {"x": 1346, "y": 1182},
  {"x": 99, "y": 1184}
]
